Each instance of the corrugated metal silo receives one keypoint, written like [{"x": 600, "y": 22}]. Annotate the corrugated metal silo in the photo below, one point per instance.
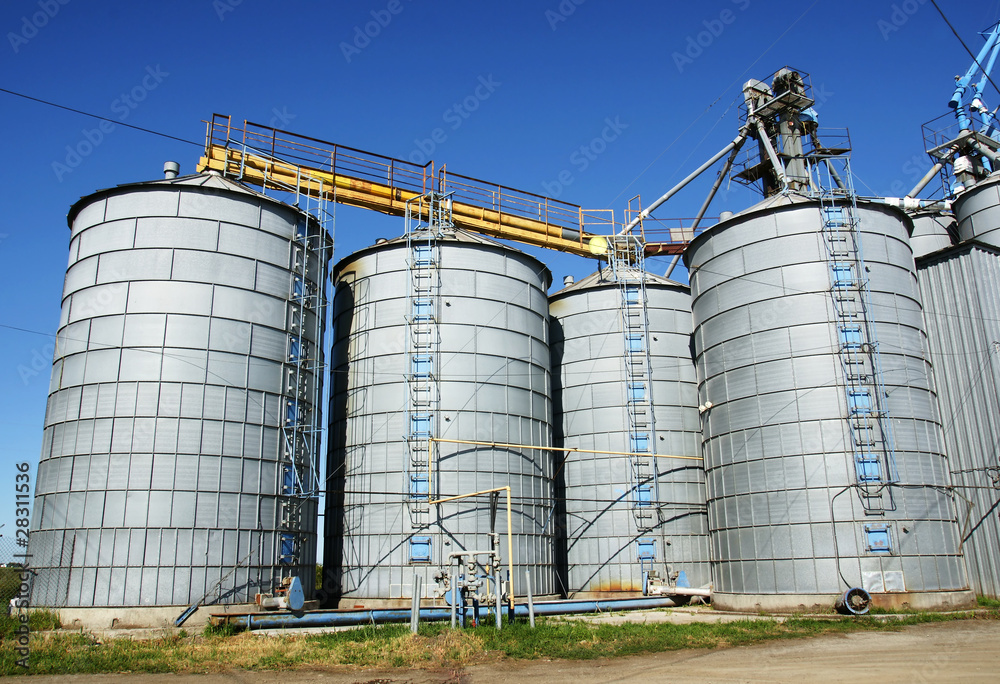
[
  {"x": 823, "y": 446},
  {"x": 164, "y": 472},
  {"x": 629, "y": 511},
  {"x": 932, "y": 231},
  {"x": 436, "y": 335},
  {"x": 961, "y": 293},
  {"x": 978, "y": 212}
]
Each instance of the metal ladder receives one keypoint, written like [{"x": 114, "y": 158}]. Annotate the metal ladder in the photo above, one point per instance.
[
  {"x": 426, "y": 217},
  {"x": 627, "y": 268},
  {"x": 304, "y": 369},
  {"x": 868, "y": 418}
]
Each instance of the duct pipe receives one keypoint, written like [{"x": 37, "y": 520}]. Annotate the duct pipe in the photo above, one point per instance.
[
  {"x": 354, "y": 618},
  {"x": 681, "y": 591},
  {"x": 987, "y": 152},
  {"x": 911, "y": 204},
  {"x": 771, "y": 154},
  {"x": 718, "y": 183},
  {"x": 925, "y": 180},
  {"x": 531, "y": 600},
  {"x": 708, "y": 200},
  {"x": 415, "y": 605},
  {"x": 680, "y": 186},
  {"x": 833, "y": 172},
  {"x": 673, "y": 264}
]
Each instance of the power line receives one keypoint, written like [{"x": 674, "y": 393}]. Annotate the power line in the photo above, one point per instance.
[
  {"x": 716, "y": 101},
  {"x": 975, "y": 61},
  {"x": 98, "y": 116}
]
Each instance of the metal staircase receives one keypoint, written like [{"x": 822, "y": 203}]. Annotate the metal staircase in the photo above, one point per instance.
[
  {"x": 868, "y": 418},
  {"x": 627, "y": 268},
  {"x": 426, "y": 217}
]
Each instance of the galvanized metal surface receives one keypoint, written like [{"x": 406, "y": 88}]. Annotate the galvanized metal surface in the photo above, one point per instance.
[
  {"x": 783, "y": 514},
  {"x": 588, "y": 354},
  {"x": 978, "y": 212},
  {"x": 492, "y": 375},
  {"x": 159, "y": 466},
  {"x": 932, "y": 231},
  {"x": 961, "y": 292}
]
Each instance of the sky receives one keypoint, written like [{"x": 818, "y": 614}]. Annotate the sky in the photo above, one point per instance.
[{"x": 588, "y": 101}]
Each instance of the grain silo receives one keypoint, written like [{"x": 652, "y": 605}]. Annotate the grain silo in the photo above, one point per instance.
[
  {"x": 960, "y": 286},
  {"x": 822, "y": 442},
  {"x": 932, "y": 230},
  {"x": 978, "y": 212},
  {"x": 439, "y": 334},
  {"x": 176, "y": 459},
  {"x": 629, "y": 392}
]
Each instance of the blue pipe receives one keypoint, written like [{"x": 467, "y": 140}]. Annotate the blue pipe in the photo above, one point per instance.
[{"x": 355, "y": 618}]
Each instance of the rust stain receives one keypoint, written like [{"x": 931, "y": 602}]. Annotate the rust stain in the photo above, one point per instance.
[{"x": 613, "y": 588}]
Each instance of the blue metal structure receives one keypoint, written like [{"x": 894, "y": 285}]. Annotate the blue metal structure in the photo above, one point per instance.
[
  {"x": 965, "y": 152},
  {"x": 975, "y": 103},
  {"x": 353, "y": 618}
]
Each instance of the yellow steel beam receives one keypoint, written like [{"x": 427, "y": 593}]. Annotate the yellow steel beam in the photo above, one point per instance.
[{"x": 392, "y": 200}]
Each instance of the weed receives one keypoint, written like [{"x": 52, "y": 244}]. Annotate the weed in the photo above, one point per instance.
[
  {"x": 223, "y": 630},
  {"x": 987, "y": 602},
  {"x": 221, "y": 649},
  {"x": 38, "y": 621}
]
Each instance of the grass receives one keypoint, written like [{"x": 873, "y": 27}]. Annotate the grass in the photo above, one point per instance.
[
  {"x": 435, "y": 646},
  {"x": 10, "y": 584},
  {"x": 987, "y": 602},
  {"x": 38, "y": 621}
]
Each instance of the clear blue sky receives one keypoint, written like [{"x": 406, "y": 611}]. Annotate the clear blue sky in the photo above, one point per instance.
[{"x": 667, "y": 74}]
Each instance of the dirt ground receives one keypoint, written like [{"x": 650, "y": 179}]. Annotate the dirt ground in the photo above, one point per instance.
[{"x": 967, "y": 651}]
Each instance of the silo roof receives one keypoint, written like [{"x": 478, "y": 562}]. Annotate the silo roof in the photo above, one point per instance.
[
  {"x": 447, "y": 235},
  {"x": 604, "y": 278},
  {"x": 208, "y": 180},
  {"x": 783, "y": 201}
]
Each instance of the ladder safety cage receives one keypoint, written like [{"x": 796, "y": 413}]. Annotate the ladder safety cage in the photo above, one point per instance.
[
  {"x": 626, "y": 259},
  {"x": 428, "y": 217},
  {"x": 868, "y": 419}
]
